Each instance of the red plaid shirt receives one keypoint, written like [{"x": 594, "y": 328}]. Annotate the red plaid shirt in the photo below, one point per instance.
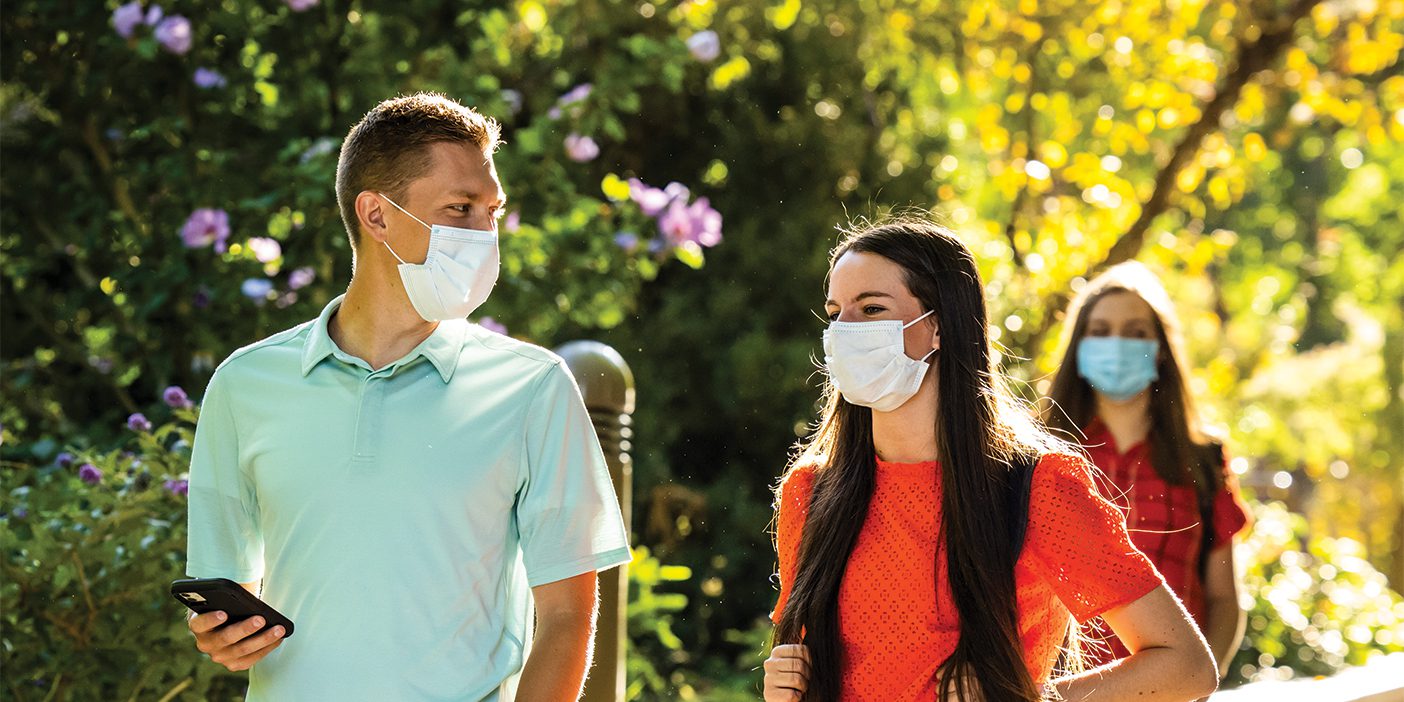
[{"x": 1164, "y": 522}]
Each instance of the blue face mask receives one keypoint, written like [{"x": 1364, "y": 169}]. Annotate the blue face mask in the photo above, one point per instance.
[{"x": 1118, "y": 367}]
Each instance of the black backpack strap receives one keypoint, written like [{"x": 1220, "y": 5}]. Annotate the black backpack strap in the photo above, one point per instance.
[
  {"x": 1214, "y": 452},
  {"x": 1022, "y": 468}
]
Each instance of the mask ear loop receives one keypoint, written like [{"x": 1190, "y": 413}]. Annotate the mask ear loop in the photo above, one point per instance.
[
  {"x": 918, "y": 319},
  {"x": 914, "y": 321},
  {"x": 397, "y": 206}
]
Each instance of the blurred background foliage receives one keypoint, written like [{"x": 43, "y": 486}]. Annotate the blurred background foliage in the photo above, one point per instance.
[{"x": 1250, "y": 152}]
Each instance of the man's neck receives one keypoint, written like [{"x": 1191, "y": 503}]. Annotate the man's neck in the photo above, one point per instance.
[{"x": 376, "y": 322}]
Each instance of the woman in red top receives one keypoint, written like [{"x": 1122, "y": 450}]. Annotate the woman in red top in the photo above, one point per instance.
[
  {"x": 914, "y": 563},
  {"x": 1122, "y": 386}
]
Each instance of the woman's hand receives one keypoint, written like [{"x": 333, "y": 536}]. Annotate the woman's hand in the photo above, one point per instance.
[{"x": 787, "y": 673}]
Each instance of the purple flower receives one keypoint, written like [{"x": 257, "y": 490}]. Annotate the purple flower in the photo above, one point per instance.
[
  {"x": 65, "y": 460},
  {"x": 139, "y": 422},
  {"x": 179, "y": 487},
  {"x": 204, "y": 227},
  {"x": 676, "y": 191},
  {"x": 320, "y": 147},
  {"x": 257, "y": 288},
  {"x": 581, "y": 148},
  {"x": 285, "y": 300},
  {"x": 705, "y": 46},
  {"x": 493, "y": 325},
  {"x": 209, "y": 78},
  {"x": 571, "y": 99},
  {"x": 153, "y": 15},
  {"x": 20, "y": 513},
  {"x": 650, "y": 200},
  {"x": 512, "y": 222},
  {"x": 264, "y": 249},
  {"x": 126, "y": 18},
  {"x": 302, "y": 5},
  {"x": 513, "y": 98},
  {"x": 174, "y": 34},
  {"x": 628, "y": 241},
  {"x": 698, "y": 223},
  {"x": 202, "y": 298},
  {"x": 707, "y": 223},
  {"x": 576, "y": 94},
  {"x": 675, "y": 224},
  {"x": 176, "y": 398},
  {"x": 301, "y": 278},
  {"x": 89, "y": 474}
]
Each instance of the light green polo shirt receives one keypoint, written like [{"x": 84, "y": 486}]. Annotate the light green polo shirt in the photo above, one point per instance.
[{"x": 399, "y": 517}]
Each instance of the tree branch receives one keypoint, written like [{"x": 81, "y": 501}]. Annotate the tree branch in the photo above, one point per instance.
[
  {"x": 1252, "y": 57},
  {"x": 1030, "y": 90}
]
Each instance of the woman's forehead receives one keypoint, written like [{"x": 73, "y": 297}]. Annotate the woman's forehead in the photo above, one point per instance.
[
  {"x": 856, "y": 273},
  {"x": 1121, "y": 304}
]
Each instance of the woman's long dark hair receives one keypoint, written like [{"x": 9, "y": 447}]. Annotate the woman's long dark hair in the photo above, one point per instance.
[
  {"x": 980, "y": 432},
  {"x": 1180, "y": 451}
]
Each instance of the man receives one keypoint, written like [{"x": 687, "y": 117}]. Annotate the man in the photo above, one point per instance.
[{"x": 405, "y": 484}]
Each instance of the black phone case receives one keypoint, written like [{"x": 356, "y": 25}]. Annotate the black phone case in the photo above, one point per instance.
[{"x": 223, "y": 595}]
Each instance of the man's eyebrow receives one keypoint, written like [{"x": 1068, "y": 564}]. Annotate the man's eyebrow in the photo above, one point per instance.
[{"x": 472, "y": 195}]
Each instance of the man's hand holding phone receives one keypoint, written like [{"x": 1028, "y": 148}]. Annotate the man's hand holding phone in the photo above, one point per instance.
[
  {"x": 237, "y": 646},
  {"x": 232, "y": 626}
]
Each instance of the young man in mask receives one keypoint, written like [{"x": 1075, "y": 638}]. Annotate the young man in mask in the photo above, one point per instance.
[{"x": 405, "y": 485}]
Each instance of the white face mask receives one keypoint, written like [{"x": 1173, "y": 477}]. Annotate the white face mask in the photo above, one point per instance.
[
  {"x": 457, "y": 274},
  {"x": 868, "y": 363}
]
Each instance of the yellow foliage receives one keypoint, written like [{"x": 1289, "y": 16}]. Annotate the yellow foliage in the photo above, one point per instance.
[{"x": 733, "y": 70}]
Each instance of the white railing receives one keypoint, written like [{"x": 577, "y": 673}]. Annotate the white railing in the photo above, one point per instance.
[{"x": 1381, "y": 680}]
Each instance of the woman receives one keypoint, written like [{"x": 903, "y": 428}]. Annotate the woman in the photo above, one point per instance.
[
  {"x": 910, "y": 568},
  {"x": 1122, "y": 385}
]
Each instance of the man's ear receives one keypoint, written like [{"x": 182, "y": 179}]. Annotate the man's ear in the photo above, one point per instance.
[{"x": 370, "y": 214}]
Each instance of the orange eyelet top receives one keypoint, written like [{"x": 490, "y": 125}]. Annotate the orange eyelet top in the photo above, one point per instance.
[{"x": 897, "y": 626}]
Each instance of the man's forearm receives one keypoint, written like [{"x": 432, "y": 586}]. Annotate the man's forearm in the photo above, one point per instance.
[{"x": 560, "y": 657}]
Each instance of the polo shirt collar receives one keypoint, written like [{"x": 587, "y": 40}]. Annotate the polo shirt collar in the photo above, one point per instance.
[{"x": 442, "y": 348}]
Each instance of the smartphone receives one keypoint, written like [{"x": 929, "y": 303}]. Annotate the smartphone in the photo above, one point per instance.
[{"x": 223, "y": 595}]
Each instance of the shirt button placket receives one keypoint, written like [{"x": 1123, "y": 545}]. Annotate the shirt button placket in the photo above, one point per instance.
[{"x": 366, "y": 440}]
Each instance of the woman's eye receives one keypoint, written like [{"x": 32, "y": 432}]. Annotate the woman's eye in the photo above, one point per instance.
[
  {"x": 873, "y": 310},
  {"x": 461, "y": 208},
  {"x": 833, "y": 316}
]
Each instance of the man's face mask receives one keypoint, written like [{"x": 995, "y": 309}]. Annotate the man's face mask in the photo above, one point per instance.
[{"x": 458, "y": 272}]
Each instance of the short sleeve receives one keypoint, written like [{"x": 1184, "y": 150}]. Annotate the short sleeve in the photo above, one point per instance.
[
  {"x": 567, "y": 515},
  {"x": 224, "y": 539},
  {"x": 791, "y": 509},
  {"x": 1231, "y": 514},
  {"x": 1078, "y": 541}
]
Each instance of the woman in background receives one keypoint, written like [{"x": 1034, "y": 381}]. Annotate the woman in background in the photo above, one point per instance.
[
  {"x": 1122, "y": 385},
  {"x": 935, "y": 542}
]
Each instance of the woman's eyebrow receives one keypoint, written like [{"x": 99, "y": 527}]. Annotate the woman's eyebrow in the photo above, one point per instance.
[{"x": 861, "y": 297}]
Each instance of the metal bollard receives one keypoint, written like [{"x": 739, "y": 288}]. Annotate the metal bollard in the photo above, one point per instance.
[{"x": 607, "y": 385}]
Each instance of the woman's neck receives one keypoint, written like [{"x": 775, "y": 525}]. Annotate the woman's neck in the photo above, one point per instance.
[
  {"x": 1128, "y": 422},
  {"x": 908, "y": 433}
]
